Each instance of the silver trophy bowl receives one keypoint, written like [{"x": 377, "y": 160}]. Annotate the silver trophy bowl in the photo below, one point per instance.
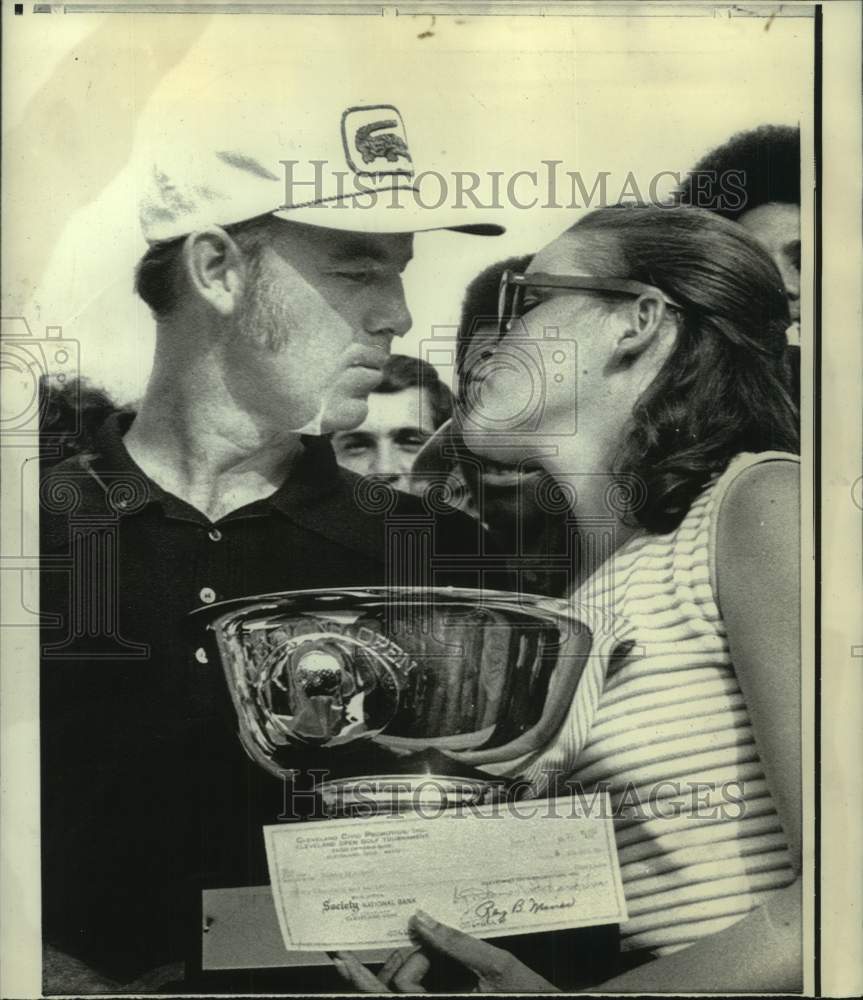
[{"x": 385, "y": 688}]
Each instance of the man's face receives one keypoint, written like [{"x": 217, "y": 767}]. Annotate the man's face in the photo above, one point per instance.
[
  {"x": 385, "y": 445},
  {"x": 777, "y": 227},
  {"x": 314, "y": 327}
]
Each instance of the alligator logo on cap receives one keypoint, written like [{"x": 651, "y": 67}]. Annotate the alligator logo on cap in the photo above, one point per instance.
[
  {"x": 375, "y": 141},
  {"x": 389, "y": 145}
]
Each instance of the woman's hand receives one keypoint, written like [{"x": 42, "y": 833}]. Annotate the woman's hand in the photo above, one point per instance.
[{"x": 496, "y": 970}]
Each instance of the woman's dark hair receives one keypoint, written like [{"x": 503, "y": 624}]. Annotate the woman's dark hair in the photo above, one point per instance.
[
  {"x": 480, "y": 298},
  {"x": 724, "y": 388},
  {"x": 765, "y": 164},
  {"x": 403, "y": 372},
  {"x": 159, "y": 273},
  {"x": 479, "y": 306}
]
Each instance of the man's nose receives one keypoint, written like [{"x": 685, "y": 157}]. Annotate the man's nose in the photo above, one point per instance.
[
  {"x": 388, "y": 314},
  {"x": 392, "y": 466}
]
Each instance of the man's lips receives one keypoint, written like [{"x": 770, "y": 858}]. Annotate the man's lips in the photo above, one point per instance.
[
  {"x": 508, "y": 476},
  {"x": 362, "y": 378},
  {"x": 364, "y": 367},
  {"x": 373, "y": 358},
  {"x": 500, "y": 474}
]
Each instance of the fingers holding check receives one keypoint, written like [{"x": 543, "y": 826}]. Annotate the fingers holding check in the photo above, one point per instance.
[
  {"x": 352, "y": 969},
  {"x": 402, "y": 972},
  {"x": 405, "y": 970},
  {"x": 496, "y": 969}
]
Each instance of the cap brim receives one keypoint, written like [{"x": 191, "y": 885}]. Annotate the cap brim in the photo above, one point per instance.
[{"x": 388, "y": 215}]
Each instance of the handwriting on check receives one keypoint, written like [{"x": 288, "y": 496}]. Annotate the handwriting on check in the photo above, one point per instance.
[{"x": 492, "y": 903}]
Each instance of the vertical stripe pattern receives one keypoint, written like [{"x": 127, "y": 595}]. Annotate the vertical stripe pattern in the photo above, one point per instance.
[{"x": 666, "y": 729}]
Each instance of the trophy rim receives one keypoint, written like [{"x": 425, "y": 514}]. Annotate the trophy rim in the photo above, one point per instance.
[
  {"x": 379, "y": 790},
  {"x": 400, "y": 778},
  {"x": 210, "y": 615}
]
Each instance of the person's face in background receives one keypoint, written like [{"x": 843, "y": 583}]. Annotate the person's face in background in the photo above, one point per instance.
[
  {"x": 776, "y": 226},
  {"x": 385, "y": 445}
]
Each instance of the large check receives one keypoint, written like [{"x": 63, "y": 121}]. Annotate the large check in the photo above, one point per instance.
[{"x": 353, "y": 883}]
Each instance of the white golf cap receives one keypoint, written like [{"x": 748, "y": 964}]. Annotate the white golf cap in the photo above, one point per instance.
[{"x": 336, "y": 166}]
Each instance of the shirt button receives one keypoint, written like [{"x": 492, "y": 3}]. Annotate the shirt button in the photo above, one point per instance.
[
  {"x": 201, "y": 655},
  {"x": 215, "y": 535},
  {"x": 207, "y": 595}
]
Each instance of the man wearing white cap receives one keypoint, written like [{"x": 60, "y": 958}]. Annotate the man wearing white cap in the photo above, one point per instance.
[
  {"x": 287, "y": 326},
  {"x": 275, "y": 314}
]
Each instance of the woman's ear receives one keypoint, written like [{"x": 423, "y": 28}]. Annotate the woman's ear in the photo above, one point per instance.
[
  {"x": 215, "y": 268},
  {"x": 641, "y": 328}
]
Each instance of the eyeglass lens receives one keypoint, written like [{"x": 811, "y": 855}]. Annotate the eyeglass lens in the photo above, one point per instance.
[{"x": 509, "y": 302}]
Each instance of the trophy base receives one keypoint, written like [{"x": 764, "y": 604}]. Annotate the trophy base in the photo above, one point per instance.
[
  {"x": 374, "y": 781},
  {"x": 381, "y": 794}
]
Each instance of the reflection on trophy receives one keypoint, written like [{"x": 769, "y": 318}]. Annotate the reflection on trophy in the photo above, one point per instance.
[{"x": 393, "y": 689}]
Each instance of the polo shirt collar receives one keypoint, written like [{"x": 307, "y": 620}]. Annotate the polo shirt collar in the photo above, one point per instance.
[
  {"x": 113, "y": 457},
  {"x": 314, "y": 475}
]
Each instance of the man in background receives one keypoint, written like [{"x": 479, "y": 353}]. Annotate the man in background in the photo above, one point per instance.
[
  {"x": 754, "y": 179},
  {"x": 404, "y": 410}
]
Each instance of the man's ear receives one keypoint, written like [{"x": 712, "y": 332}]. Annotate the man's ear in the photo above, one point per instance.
[
  {"x": 215, "y": 268},
  {"x": 641, "y": 328}
]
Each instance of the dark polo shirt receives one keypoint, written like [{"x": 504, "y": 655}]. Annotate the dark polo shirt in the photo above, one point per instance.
[{"x": 147, "y": 795}]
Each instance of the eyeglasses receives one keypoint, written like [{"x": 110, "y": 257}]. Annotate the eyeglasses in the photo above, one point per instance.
[{"x": 513, "y": 286}]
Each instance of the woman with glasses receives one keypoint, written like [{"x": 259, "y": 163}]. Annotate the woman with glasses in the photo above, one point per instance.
[
  {"x": 658, "y": 342},
  {"x": 529, "y": 523}
]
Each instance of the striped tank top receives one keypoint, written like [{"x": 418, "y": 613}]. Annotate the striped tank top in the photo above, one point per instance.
[{"x": 665, "y": 728}]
